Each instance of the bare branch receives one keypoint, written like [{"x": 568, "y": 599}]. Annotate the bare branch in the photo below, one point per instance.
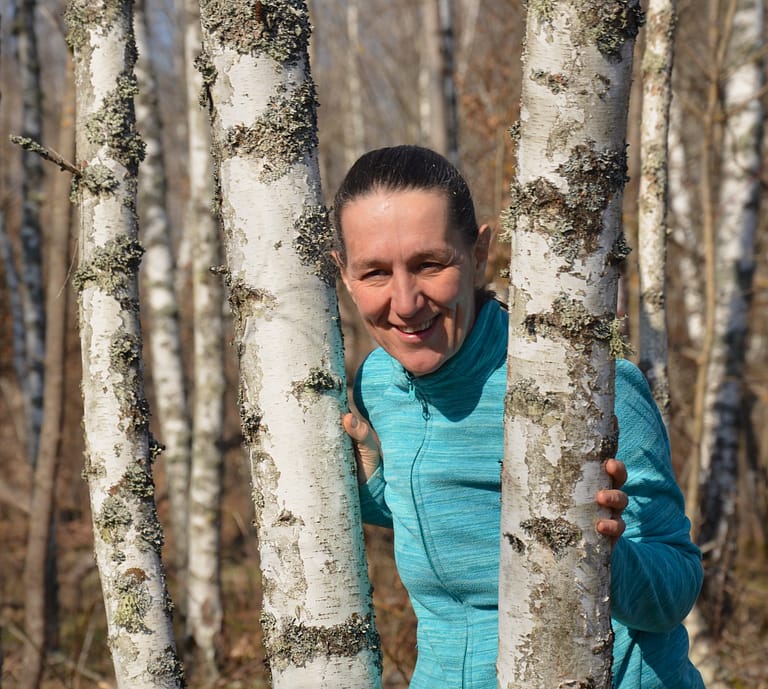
[{"x": 47, "y": 153}]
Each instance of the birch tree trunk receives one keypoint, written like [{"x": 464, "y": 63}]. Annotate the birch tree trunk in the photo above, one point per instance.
[
  {"x": 40, "y": 580},
  {"x": 33, "y": 293},
  {"x": 438, "y": 109},
  {"x": 163, "y": 306},
  {"x": 205, "y": 611},
  {"x": 127, "y": 533},
  {"x": 652, "y": 198},
  {"x": 680, "y": 198},
  {"x": 565, "y": 227},
  {"x": 739, "y": 205},
  {"x": 354, "y": 133},
  {"x": 317, "y": 615}
]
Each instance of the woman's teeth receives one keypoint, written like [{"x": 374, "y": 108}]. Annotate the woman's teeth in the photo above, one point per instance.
[{"x": 410, "y": 329}]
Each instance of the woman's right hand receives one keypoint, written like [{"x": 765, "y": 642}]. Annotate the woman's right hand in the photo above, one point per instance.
[{"x": 365, "y": 444}]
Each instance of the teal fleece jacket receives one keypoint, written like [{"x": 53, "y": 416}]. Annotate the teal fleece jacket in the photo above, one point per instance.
[{"x": 438, "y": 487}]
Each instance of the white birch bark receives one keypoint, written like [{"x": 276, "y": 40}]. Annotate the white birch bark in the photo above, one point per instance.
[
  {"x": 682, "y": 226},
  {"x": 436, "y": 79},
  {"x": 431, "y": 115},
  {"x": 565, "y": 227},
  {"x": 127, "y": 533},
  {"x": 158, "y": 273},
  {"x": 33, "y": 292},
  {"x": 205, "y": 608},
  {"x": 354, "y": 134},
  {"x": 317, "y": 614},
  {"x": 652, "y": 198},
  {"x": 738, "y": 213}
]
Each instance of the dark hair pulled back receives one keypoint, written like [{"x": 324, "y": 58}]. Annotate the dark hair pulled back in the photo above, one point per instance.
[{"x": 406, "y": 168}]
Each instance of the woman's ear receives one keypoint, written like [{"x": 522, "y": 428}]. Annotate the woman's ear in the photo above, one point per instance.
[{"x": 481, "y": 251}]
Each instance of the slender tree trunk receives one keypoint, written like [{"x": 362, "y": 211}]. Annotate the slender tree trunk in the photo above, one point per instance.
[
  {"x": 471, "y": 11},
  {"x": 565, "y": 225},
  {"x": 718, "y": 39},
  {"x": 682, "y": 227},
  {"x": 159, "y": 273},
  {"x": 127, "y": 534},
  {"x": 652, "y": 198},
  {"x": 438, "y": 110},
  {"x": 40, "y": 570},
  {"x": 354, "y": 142},
  {"x": 448, "y": 79},
  {"x": 33, "y": 294},
  {"x": 738, "y": 206},
  {"x": 13, "y": 286},
  {"x": 205, "y": 599},
  {"x": 317, "y": 614}
]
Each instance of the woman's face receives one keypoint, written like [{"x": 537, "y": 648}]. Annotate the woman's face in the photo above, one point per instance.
[{"x": 411, "y": 275}]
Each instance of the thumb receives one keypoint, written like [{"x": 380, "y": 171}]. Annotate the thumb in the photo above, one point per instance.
[
  {"x": 356, "y": 428},
  {"x": 364, "y": 442}
]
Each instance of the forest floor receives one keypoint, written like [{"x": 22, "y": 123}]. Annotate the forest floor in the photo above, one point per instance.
[{"x": 82, "y": 661}]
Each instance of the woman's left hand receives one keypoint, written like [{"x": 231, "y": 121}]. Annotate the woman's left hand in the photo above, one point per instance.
[{"x": 614, "y": 500}]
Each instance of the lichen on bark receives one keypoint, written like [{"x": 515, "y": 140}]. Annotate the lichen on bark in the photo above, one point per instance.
[
  {"x": 570, "y": 318},
  {"x": 114, "y": 124},
  {"x": 557, "y": 535},
  {"x": 82, "y": 16},
  {"x": 284, "y": 133},
  {"x": 292, "y": 642},
  {"x": 318, "y": 381},
  {"x": 165, "y": 664},
  {"x": 279, "y": 28},
  {"x": 113, "y": 519},
  {"x": 133, "y": 601},
  {"x": 572, "y": 217},
  {"x": 524, "y": 397},
  {"x": 610, "y": 23},
  {"x": 112, "y": 267},
  {"x": 96, "y": 178},
  {"x": 314, "y": 241},
  {"x": 250, "y": 420}
]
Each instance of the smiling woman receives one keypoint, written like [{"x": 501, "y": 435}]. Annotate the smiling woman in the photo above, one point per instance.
[
  {"x": 430, "y": 440},
  {"x": 411, "y": 274}
]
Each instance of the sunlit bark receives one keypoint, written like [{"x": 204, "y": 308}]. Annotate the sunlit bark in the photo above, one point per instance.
[
  {"x": 565, "y": 228},
  {"x": 317, "y": 615},
  {"x": 119, "y": 453}
]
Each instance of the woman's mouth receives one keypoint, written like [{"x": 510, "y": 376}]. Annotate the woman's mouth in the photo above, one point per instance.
[{"x": 418, "y": 328}]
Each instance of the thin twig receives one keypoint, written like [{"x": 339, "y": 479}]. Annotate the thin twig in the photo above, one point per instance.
[{"x": 48, "y": 153}]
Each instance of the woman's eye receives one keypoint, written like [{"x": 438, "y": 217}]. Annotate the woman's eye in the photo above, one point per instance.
[
  {"x": 373, "y": 274},
  {"x": 430, "y": 265}
]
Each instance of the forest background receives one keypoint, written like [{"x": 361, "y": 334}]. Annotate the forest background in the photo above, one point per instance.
[{"x": 374, "y": 56}]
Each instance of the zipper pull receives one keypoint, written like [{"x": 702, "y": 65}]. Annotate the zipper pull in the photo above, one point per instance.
[
  {"x": 411, "y": 386},
  {"x": 413, "y": 394}
]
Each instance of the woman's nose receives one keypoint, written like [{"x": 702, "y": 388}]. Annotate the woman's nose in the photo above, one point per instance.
[{"x": 406, "y": 298}]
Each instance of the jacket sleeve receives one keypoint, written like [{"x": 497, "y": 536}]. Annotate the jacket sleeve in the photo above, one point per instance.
[
  {"x": 373, "y": 506},
  {"x": 656, "y": 571}
]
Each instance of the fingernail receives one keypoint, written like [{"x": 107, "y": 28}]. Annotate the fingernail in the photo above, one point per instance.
[{"x": 354, "y": 421}]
